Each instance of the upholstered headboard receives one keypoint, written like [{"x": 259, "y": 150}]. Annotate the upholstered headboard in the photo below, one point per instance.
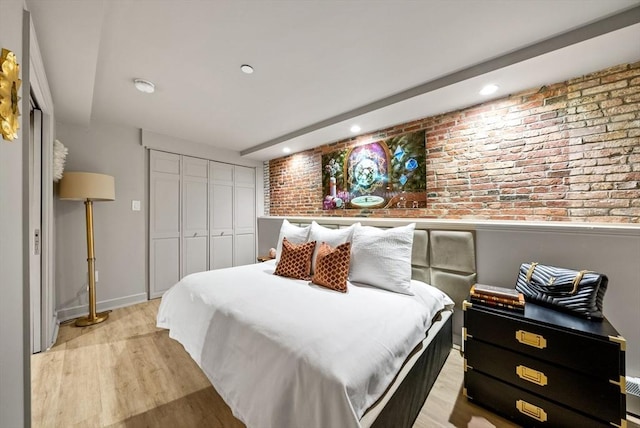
[{"x": 445, "y": 259}]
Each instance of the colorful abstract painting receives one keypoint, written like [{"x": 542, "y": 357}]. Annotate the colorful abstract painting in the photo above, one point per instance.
[{"x": 388, "y": 173}]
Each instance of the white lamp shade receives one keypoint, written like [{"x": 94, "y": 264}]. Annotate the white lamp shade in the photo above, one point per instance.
[{"x": 82, "y": 186}]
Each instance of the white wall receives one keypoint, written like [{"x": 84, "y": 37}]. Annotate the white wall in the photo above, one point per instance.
[
  {"x": 14, "y": 322},
  {"x": 615, "y": 252},
  {"x": 119, "y": 232}
]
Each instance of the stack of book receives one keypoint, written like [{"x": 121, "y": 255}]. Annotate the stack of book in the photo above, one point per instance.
[{"x": 498, "y": 297}]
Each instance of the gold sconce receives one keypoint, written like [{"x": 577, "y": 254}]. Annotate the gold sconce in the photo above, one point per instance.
[{"x": 9, "y": 86}]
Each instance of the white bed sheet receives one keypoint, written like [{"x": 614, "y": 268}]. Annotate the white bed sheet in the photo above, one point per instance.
[{"x": 286, "y": 353}]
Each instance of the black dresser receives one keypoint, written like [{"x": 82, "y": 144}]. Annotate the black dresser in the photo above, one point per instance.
[{"x": 544, "y": 367}]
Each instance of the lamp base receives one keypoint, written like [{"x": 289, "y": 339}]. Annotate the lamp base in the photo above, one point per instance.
[{"x": 86, "y": 321}]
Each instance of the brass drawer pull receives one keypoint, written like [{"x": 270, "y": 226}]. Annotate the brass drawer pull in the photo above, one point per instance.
[
  {"x": 531, "y": 410},
  {"x": 531, "y": 375},
  {"x": 531, "y": 339},
  {"x": 465, "y": 335}
]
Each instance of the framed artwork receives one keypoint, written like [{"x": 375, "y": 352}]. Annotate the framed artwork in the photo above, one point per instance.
[{"x": 388, "y": 173}]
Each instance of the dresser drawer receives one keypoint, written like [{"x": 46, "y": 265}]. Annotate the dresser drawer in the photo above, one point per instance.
[
  {"x": 522, "y": 407},
  {"x": 594, "y": 356},
  {"x": 594, "y": 396}
]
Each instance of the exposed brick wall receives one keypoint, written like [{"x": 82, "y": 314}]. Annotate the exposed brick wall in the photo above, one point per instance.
[{"x": 564, "y": 152}]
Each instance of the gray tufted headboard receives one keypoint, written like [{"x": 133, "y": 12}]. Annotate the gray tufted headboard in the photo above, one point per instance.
[{"x": 445, "y": 259}]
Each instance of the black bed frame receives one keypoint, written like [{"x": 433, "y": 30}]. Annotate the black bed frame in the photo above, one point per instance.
[{"x": 404, "y": 406}]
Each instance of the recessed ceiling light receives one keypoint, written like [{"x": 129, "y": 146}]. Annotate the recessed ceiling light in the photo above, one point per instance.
[
  {"x": 355, "y": 128},
  {"x": 286, "y": 150},
  {"x": 489, "y": 89},
  {"x": 144, "y": 86},
  {"x": 246, "y": 68}
]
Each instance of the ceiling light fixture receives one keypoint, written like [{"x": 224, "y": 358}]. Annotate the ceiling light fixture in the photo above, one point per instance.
[
  {"x": 355, "y": 128},
  {"x": 489, "y": 89},
  {"x": 144, "y": 86},
  {"x": 286, "y": 150},
  {"x": 246, "y": 68}
]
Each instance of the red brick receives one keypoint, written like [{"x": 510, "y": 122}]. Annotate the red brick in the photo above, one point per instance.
[
  {"x": 583, "y": 85},
  {"x": 588, "y": 99},
  {"x": 620, "y": 76},
  {"x": 628, "y": 212},
  {"x": 627, "y": 108},
  {"x": 606, "y": 136},
  {"x": 635, "y": 98},
  {"x": 607, "y": 87},
  {"x": 607, "y": 203},
  {"x": 625, "y": 91}
]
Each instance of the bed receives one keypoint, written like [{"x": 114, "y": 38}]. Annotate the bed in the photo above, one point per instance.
[{"x": 287, "y": 353}]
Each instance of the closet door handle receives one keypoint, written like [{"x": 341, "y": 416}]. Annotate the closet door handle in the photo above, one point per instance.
[{"x": 195, "y": 234}]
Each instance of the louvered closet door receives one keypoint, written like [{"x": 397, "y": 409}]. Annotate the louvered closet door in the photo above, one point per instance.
[
  {"x": 221, "y": 215},
  {"x": 245, "y": 215},
  {"x": 164, "y": 222},
  {"x": 195, "y": 208}
]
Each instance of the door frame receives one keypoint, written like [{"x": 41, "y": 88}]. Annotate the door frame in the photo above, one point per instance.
[
  {"x": 35, "y": 225},
  {"x": 42, "y": 96}
]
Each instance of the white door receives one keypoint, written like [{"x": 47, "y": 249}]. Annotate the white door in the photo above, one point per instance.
[
  {"x": 221, "y": 215},
  {"x": 244, "y": 215},
  {"x": 35, "y": 221},
  {"x": 164, "y": 222},
  {"x": 195, "y": 208}
]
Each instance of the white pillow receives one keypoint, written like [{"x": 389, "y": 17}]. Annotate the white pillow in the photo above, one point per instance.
[
  {"x": 293, "y": 233},
  {"x": 382, "y": 257},
  {"x": 333, "y": 237}
]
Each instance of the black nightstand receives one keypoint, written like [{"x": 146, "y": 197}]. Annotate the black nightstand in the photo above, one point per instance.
[{"x": 544, "y": 367}]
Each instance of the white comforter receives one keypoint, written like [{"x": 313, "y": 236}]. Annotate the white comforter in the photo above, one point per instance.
[{"x": 284, "y": 353}]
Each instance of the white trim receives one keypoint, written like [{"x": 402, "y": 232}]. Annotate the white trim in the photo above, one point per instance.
[
  {"x": 166, "y": 143},
  {"x": 38, "y": 77},
  {"x": 421, "y": 223},
  {"x": 56, "y": 328},
  {"x": 42, "y": 95},
  {"x": 36, "y": 261},
  {"x": 119, "y": 302}
]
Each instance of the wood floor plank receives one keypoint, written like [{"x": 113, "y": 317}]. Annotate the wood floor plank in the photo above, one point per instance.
[
  {"x": 126, "y": 373},
  {"x": 49, "y": 369}
]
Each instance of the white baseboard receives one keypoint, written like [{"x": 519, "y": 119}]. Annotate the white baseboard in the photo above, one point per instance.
[
  {"x": 55, "y": 322},
  {"x": 65, "y": 314}
]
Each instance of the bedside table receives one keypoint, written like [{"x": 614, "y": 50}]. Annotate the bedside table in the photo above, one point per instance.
[
  {"x": 263, "y": 258},
  {"x": 544, "y": 366}
]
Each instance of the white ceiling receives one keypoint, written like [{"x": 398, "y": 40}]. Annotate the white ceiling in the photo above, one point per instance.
[{"x": 319, "y": 65}]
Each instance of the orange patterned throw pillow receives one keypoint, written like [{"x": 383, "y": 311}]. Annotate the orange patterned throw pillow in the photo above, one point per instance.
[
  {"x": 295, "y": 261},
  {"x": 332, "y": 266}
]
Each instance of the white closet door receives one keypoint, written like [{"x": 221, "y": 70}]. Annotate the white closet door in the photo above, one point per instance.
[
  {"x": 221, "y": 215},
  {"x": 164, "y": 227},
  {"x": 244, "y": 215},
  {"x": 195, "y": 208}
]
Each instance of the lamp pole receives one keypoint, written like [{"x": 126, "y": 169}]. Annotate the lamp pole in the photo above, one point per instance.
[{"x": 92, "y": 318}]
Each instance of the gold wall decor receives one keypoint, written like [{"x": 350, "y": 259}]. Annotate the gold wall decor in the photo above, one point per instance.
[{"x": 9, "y": 86}]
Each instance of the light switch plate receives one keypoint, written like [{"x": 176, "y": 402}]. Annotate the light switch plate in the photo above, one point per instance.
[{"x": 135, "y": 205}]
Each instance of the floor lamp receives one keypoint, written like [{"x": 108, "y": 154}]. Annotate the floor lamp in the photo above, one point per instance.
[{"x": 88, "y": 187}]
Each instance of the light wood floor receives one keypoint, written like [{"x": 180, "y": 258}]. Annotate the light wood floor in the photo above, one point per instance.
[{"x": 128, "y": 373}]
